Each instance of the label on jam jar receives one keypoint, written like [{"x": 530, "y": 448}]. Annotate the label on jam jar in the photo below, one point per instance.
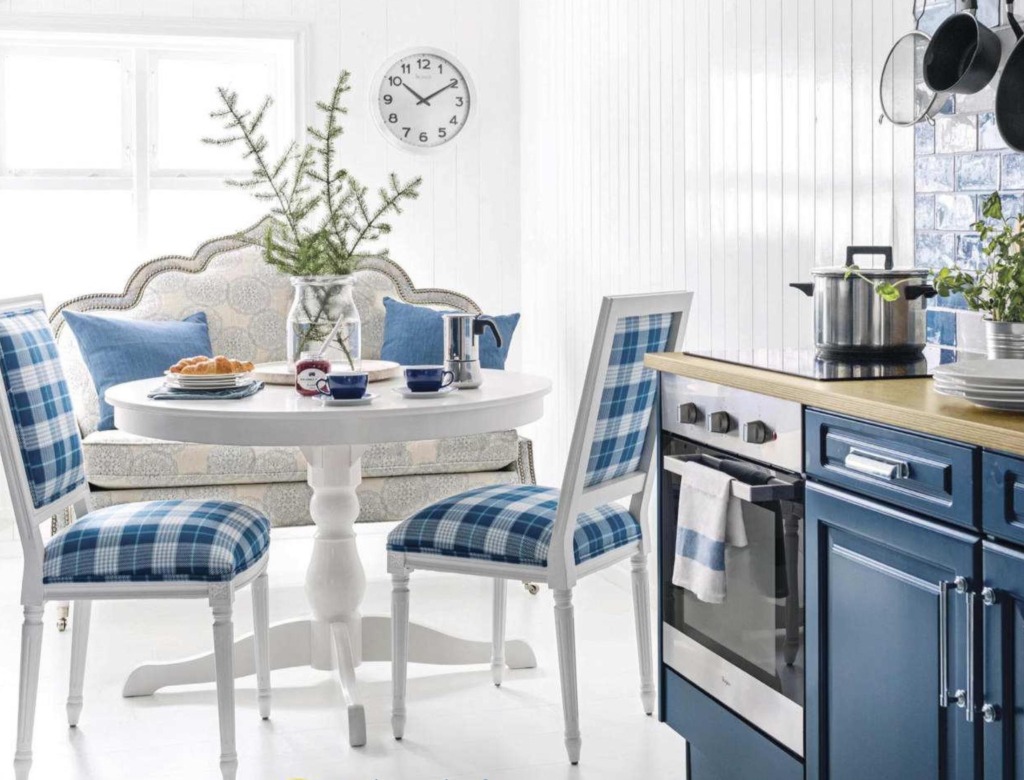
[{"x": 308, "y": 372}]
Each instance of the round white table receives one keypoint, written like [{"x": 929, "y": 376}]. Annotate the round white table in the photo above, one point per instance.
[{"x": 332, "y": 440}]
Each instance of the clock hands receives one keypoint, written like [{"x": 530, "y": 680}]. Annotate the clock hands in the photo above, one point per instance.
[
  {"x": 449, "y": 85},
  {"x": 419, "y": 97}
]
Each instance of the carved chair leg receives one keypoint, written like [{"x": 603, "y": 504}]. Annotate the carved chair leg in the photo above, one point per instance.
[
  {"x": 399, "y": 649},
  {"x": 498, "y": 631},
  {"x": 642, "y": 615},
  {"x": 28, "y": 686},
  {"x": 565, "y": 633},
  {"x": 79, "y": 647},
  {"x": 261, "y": 645},
  {"x": 223, "y": 653}
]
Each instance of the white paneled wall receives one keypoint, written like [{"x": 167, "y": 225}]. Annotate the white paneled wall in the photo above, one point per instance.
[
  {"x": 723, "y": 147},
  {"x": 463, "y": 232}
]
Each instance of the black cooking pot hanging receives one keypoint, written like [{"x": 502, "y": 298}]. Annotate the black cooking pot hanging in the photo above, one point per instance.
[
  {"x": 1010, "y": 93},
  {"x": 963, "y": 55}
]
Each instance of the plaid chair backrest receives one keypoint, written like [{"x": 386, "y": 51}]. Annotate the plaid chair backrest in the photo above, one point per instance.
[
  {"x": 44, "y": 420},
  {"x": 627, "y": 398}
]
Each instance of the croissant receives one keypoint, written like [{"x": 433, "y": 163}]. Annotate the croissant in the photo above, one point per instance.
[{"x": 216, "y": 365}]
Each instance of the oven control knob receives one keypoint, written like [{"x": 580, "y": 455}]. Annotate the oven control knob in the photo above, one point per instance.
[
  {"x": 689, "y": 414},
  {"x": 756, "y": 432},
  {"x": 718, "y": 422}
]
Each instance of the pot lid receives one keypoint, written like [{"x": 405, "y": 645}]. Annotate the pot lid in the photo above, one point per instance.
[{"x": 873, "y": 273}]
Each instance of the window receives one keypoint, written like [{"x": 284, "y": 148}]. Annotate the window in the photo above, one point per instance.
[{"x": 101, "y": 160}]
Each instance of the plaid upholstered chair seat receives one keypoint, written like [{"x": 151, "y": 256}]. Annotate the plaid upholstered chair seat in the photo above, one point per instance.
[
  {"x": 509, "y": 524},
  {"x": 194, "y": 540}
]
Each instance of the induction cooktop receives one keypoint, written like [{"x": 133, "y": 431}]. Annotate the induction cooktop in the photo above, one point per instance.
[{"x": 806, "y": 362}]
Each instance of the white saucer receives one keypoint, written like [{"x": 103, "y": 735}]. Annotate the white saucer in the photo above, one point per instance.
[
  {"x": 366, "y": 400},
  {"x": 405, "y": 392}
]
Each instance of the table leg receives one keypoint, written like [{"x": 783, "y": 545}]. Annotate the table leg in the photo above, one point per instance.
[{"x": 337, "y": 637}]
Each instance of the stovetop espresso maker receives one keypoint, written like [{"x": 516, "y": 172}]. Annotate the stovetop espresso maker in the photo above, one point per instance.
[{"x": 462, "y": 333}]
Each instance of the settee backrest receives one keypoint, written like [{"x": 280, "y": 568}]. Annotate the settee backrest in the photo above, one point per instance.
[{"x": 246, "y": 303}]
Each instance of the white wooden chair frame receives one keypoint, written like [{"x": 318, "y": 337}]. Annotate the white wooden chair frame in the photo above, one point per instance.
[
  {"x": 34, "y": 594},
  {"x": 562, "y": 572}
]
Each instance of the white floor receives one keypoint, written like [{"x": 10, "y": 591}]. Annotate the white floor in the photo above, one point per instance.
[{"x": 460, "y": 727}]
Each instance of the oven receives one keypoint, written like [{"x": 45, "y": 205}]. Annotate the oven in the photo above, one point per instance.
[{"x": 746, "y": 653}]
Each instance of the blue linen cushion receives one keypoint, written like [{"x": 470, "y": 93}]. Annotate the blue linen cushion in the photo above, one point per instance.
[
  {"x": 37, "y": 394},
  {"x": 176, "y": 540},
  {"x": 627, "y": 398},
  {"x": 414, "y": 336},
  {"x": 509, "y": 524},
  {"x": 118, "y": 350}
]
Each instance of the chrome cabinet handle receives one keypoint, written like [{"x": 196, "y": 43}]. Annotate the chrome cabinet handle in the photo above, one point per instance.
[
  {"x": 969, "y": 599},
  {"x": 959, "y": 696},
  {"x": 990, "y": 713},
  {"x": 875, "y": 466}
]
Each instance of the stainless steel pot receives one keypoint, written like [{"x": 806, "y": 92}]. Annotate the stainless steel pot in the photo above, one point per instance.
[{"x": 851, "y": 320}]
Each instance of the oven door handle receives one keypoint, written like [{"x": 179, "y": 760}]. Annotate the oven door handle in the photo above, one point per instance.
[{"x": 776, "y": 489}]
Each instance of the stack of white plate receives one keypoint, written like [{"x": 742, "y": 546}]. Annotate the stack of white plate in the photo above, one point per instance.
[
  {"x": 995, "y": 384},
  {"x": 207, "y": 381}
]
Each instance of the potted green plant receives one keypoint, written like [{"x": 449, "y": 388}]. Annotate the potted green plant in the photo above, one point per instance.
[
  {"x": 997, "y": 290},
  {"x": 323, "y": 223}
]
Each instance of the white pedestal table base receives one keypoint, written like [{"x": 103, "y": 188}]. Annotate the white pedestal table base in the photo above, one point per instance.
[{"x": 337, "y": 637}]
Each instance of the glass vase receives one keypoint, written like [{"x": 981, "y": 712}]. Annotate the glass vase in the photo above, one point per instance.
[{"x": 324, "y": 310}]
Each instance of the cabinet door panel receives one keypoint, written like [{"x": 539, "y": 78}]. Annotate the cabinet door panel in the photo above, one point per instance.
[
  {"x": 1004, "y": 662},
  {"x": 873, "y": 642}
]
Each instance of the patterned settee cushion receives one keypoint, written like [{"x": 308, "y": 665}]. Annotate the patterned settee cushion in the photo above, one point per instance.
[
  {"x": 115, "y": 460},
  {"x": 246, "y": 303}
]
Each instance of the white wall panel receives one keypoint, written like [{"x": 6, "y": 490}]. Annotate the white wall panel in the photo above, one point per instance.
[{"x": 722, "y": 147}]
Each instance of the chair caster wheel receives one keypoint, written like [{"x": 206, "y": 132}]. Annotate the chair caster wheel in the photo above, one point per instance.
[{"x": 532, "y": 588}]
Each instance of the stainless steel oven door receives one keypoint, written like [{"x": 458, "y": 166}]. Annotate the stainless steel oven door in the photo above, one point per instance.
[{"x": 748, "y": 651}]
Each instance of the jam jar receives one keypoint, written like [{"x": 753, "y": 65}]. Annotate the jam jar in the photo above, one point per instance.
[{"x": 309, "y": 370}]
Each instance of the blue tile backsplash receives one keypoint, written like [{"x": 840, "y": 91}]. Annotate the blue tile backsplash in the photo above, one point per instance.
[{"x": 959, "y": 161}]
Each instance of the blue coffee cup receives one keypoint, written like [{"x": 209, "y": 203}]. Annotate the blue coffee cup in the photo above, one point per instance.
[
  {"x": 348, "y": 386},
  {"x": 427, "y": 379}
]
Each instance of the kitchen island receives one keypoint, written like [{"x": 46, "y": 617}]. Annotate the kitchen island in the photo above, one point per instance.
[{"x": 911, "y": 599}]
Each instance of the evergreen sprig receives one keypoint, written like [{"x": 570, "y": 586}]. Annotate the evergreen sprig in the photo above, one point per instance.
[{"x": 322, "y": 218}]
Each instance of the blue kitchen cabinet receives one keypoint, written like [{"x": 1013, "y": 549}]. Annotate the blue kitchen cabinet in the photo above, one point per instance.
[
  {"x": 881, "y": 583},
  {"x": 1002, "y": 600}
]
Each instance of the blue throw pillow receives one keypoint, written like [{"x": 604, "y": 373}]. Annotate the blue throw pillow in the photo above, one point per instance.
[
  {"x": 117, "y": 350},
  {"x": 414, "y": 336}
]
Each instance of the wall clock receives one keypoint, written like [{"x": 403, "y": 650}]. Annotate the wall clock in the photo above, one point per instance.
[{"x": 422, "y": 99}]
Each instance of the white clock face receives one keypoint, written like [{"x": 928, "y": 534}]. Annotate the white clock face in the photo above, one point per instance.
[{"x": 423, "y": 100}]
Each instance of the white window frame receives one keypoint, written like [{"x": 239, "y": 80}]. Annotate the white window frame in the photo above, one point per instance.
[{"x": 139, "y": 45}]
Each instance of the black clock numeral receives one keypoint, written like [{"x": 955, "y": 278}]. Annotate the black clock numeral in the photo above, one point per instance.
[
  {"x": 423, "y": 64},
  {"x": 405, "y": 132},
  {"x": 459, "y": 101},
  {"x": 442, "y": 132},
  {"x": 440, "y": 67},
  {"x": 393, "y": 118},
  {"x": 406, "y": 67},
  {"x": 454, "y": 83},
  {"x": 454, "y": 120},
  {"x": 395, "y": 81},
  {"x": 424, "y": 138},
  {"x": 388, "y": 100}
]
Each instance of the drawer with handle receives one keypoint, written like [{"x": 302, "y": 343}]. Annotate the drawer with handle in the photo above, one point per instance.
[
  {"x": 1002, "y": 496},
  {"x": 912, "y": 471}
]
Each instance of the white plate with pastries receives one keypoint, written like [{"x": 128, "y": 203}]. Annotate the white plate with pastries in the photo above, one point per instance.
[{"x": 205, "y": 373}]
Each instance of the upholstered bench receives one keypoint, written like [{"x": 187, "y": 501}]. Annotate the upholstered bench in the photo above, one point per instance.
[{"x": 246, "y": 304}]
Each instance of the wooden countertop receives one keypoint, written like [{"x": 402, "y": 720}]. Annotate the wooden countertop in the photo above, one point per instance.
[{"x": 910, "y": 404}]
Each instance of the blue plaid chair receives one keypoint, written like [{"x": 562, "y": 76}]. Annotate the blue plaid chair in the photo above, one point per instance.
[
  {"x": 156, "y": 549},
  {"x": 542, "y": 534}
]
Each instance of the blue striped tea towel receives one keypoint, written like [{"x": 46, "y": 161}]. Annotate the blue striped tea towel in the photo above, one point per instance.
[{"x": 709, "y": 518}]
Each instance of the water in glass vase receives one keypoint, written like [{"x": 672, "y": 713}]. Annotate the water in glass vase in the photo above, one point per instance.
[{"x": 324, "y": 317}]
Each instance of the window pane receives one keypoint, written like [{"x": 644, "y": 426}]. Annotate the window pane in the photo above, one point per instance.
[
  {"x": 180, "y": 220},
  {"x": 62, "y": 112},
  {"x": 186, "y": 93},
  {"x": 66, "y": 243}
]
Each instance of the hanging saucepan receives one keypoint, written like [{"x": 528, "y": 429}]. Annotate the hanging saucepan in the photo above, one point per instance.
[
  {"x": 905, "y": 97},
  {"x": 851, "y": 320},
  {"x": 1010, "y": 93},
  {"x": 964, "y": 54}
]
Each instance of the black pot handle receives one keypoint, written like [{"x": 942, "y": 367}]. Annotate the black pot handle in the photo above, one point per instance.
[
  {"x": 1014, "y": 24},
  {"x": 807, "y": 288},
  {"x": 481, "y": 323},
  {"x": 853, "y": 251},
  {"x": 914, "y": 291}
]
